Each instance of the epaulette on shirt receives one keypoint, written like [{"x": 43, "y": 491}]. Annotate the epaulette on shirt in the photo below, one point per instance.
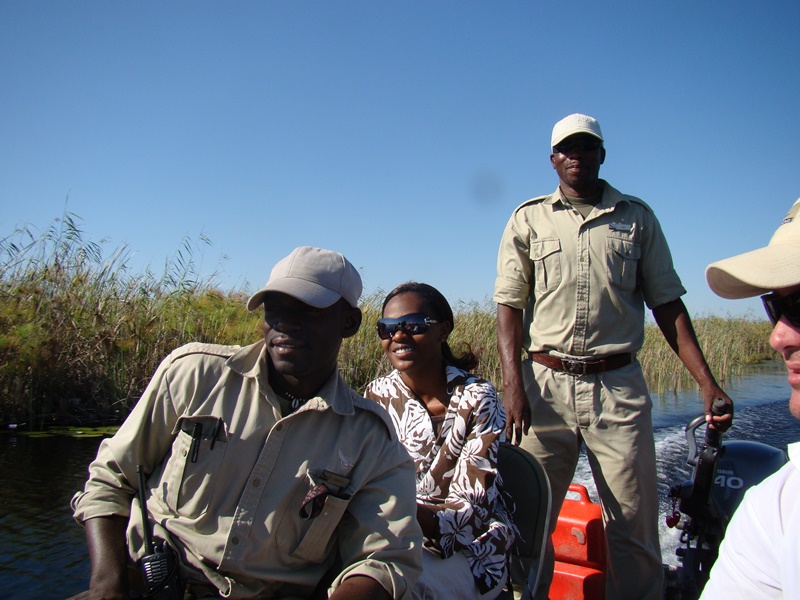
[
  {"x": 220, "y": 350},
  {"x": 638, "y": 201},
  {"x": 359, "y": 402},
  {"x": 531, "y": 201},
  {"x": 624, "y": 197},
  {"x": 225, "y": 352}
]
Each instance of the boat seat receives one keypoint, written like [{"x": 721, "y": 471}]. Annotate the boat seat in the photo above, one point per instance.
[{"x": 526, "y": 481}]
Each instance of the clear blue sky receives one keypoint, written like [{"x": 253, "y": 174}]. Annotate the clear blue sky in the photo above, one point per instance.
[{"x": 402, "y": 134}]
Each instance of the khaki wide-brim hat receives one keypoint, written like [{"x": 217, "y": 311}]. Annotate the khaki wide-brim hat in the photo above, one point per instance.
[{"x": 761, "y": 271}]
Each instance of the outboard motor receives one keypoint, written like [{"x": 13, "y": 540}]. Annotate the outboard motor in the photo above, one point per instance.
[
  {"x": 722, "y": 474},
  {"x": 740, "y": 466}
]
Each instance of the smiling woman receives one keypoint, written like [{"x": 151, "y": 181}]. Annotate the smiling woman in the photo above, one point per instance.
[{"x": 450, "y": 422}]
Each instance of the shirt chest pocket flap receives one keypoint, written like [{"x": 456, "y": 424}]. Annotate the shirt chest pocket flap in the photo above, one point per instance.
[
  {"x": 192, "y": 469},
  {"x": 622, "y": 260},
  {"x": 546, "y": 256},
  {"x": 318, "y": 538}
]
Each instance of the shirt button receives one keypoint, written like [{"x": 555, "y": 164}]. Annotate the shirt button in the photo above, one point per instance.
[
  {"x": 279, "y": 426},
  {"x": 234, "y": 540},
  {"x": 184, "y": 453},
  {"x": 256, "y": 482}
]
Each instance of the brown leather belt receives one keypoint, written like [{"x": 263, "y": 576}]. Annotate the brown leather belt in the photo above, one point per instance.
[{"x": 581, "y": 367}]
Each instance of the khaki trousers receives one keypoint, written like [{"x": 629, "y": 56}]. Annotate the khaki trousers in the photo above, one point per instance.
[{"x": 610, "y": 413}]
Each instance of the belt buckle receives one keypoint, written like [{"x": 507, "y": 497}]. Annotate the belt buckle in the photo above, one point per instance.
[{"x": 574, "y": 367}]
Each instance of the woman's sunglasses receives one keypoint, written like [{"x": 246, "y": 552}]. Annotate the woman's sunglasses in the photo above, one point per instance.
[
  {"x": 783, "y": 306},
  {"x": 413, "y": 324}
]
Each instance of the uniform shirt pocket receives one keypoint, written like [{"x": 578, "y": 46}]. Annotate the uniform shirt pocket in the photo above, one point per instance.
[
  {"x": 317, "y": 542},
  {"x": 192, "y": 469},
  {"x": 546, "y": 256},
  {"x": 318, "y": 526},
  {"x": 622, "y": 258}
]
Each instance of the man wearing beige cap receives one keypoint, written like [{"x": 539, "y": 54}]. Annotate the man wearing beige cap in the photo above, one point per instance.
[
  {"x": 760, "y": 555},
  {"x": 266, "y": 475},
  {"x": 575, "y": 270}
]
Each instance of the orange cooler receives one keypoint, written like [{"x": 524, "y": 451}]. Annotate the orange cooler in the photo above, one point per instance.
[
  {"x": 574, "y": 582},
  {"x": 580, "y": 547},
  {"x": 579, "y": 537}
]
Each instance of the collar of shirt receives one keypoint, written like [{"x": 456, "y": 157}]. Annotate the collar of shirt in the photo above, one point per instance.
[
  {"x": 335, "y": 394},
  {"x": 611, "y": 197}
]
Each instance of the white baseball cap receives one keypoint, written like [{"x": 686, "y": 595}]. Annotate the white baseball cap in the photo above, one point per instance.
[
  {"x": 312, "y": 275},
  {"x": 758, "y": 272},
  {"x": 573, "y": 124}
]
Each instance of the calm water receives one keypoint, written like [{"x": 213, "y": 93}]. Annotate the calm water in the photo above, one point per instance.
[{"x": 43, "y": 551}]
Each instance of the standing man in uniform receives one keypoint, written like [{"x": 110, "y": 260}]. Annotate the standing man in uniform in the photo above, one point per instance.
[{"x": 574, "y": 272}]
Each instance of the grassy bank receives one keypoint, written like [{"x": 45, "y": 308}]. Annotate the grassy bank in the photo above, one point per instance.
[{"x": 80, "y": 334}]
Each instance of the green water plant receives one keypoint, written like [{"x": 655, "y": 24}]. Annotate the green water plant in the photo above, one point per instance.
[{"x": 81, "y": 333}]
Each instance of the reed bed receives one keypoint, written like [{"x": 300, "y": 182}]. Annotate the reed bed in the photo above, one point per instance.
[
  {"x": 80, "y": 334},
  {"x": 729, "y": 344}
]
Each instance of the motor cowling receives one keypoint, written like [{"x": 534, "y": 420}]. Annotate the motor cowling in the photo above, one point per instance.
[{"x": 740, "y": 466}]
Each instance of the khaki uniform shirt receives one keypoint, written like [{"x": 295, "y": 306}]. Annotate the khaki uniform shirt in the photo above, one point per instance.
[
  {"x": 233, "y": 512},
  {"x": 583, "y": 283}
]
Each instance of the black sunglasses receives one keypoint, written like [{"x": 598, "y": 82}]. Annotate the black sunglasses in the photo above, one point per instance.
[
  {"x": 413, "y": 324},
  {"x": 578, "y": 146},
  {"x": 787, "y": 307}
]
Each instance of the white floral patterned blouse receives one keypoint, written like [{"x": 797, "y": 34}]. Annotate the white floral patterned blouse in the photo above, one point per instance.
[{"x": 457, "y": 467}]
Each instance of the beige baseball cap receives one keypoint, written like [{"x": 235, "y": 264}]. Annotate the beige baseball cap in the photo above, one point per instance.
[
  {"x": 573, "y": 124},
  {"x": 761, "y": 271},
  {"x": 312, "y": 275}
]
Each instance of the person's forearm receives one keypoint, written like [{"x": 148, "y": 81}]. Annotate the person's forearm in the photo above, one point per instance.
[
  {"x": 428, "y": 521},
  {"x": 108, "y": 554},
  {"x": 509, "y": 347},
  {"x": 360, "y": 587},
  {"x": 509, "y": 344},
  {"x": 676, "y": 325}
]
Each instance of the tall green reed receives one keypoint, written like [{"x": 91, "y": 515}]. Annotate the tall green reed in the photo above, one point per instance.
[
  {"x": 729, "y": 344},
  {"x": 81, "y": 334}
]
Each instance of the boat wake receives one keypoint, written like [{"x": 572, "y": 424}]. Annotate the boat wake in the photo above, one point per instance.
[{"x": 769, "y": 423}]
